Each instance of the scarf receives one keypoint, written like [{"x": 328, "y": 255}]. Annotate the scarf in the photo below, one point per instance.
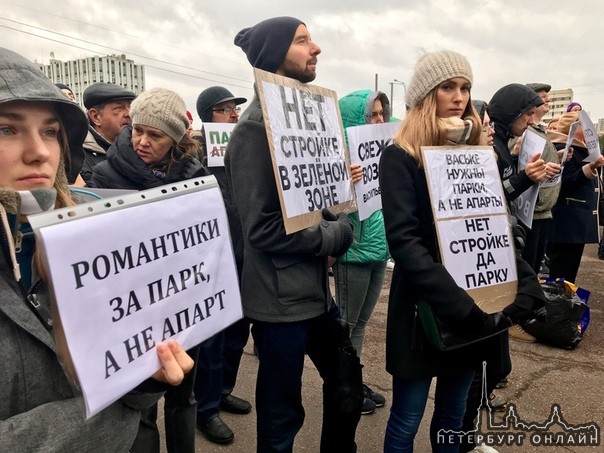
[
  {"x": 162, "y": 168},
  {"x": 13, "y": 204},
  {"x": 458, "y": 130},
  {"x": 37, "y": 200}
]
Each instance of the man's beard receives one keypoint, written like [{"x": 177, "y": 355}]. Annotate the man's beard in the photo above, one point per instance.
[{"x": 293, "y": 71}]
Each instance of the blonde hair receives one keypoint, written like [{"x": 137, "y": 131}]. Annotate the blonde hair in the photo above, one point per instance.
[{"x": 421, "y": 127}]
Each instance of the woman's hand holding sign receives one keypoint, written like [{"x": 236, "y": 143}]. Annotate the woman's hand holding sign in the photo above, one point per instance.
[
  {"x": 175, "y": 363},
  {"x": 356, "y": 173}
]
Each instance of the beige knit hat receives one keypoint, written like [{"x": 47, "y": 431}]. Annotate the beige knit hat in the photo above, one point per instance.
[
  {"x": 162, "y": 109},
  {"x": 432, "y": 69}
]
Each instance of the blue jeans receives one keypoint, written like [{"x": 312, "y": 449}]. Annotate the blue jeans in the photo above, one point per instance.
[
  {"x": 409, "y": 397},
  {"x": 281, "y": 348},
  {"x": 358, "y": 287}
]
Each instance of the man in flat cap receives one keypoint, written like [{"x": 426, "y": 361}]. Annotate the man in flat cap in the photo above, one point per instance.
[
  {"x": 220, "y": 355},
  {"x": 284, "y": 286},
  {"x": 108, "y": 109}
]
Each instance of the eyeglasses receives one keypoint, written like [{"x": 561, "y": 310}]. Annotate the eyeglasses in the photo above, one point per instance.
[
  {"x": 228, "y": 110},
  {"x": 488, "y": 127}
]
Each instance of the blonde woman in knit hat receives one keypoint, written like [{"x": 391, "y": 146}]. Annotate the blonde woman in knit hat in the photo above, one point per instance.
[
  {"x": 441, "y": 113},
  {"x": 155, "y": 150},
  {"x": 39, "y": 409},
  {"x": 152, "y": 152}
]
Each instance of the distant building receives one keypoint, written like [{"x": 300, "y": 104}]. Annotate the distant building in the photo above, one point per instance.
[
  {"x": 558, "y": 101},
  {"x": 81, "y": 73},
  {"x": 600, "y": 126}
]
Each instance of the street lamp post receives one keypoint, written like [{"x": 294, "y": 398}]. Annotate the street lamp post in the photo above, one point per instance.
[{"x": 397, "y": 82}]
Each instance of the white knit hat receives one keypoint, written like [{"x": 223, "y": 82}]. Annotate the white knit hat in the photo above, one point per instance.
[
  {"x": 162, "y": 109},
  {"x": 432, "y": 69}
]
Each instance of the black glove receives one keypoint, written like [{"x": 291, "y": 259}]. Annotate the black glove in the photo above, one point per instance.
[
  {"x": 518, "y": 232},
  {"x": 524, "y": 308},
  {"x": 479, "y": 321},
  {"x": 336, "y": 234},
  {"x": 497, "y": 322}
]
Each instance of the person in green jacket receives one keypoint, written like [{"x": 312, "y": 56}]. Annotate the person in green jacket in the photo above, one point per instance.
[{"x": 359, "y": 274}]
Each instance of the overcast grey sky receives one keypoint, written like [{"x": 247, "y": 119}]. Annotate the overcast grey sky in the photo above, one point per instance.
[{"x": 187, "y": 45}]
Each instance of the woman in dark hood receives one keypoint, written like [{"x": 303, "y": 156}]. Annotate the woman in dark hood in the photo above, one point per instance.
[{"x": 512, "y": 108}]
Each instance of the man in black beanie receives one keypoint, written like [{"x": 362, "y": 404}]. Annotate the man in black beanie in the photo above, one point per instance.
[{"x": 284, "y": 287}]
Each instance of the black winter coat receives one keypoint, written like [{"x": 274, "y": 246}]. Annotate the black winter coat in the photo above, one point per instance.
[
  {"x": 419, "y": 274},
  {"x": 123, "y": 169},
  {"x": 575, "y": 212}
]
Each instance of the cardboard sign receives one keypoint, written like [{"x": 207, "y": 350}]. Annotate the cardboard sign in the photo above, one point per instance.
[
  {"x": 470, "y": 212},
  {"x": 148, "y": 267},
  {"x": 591, "y": 137},
  {"x": 217, "y": 139},
  {"x": 366, "y": 144},
  {"x": 306, "y": 141},
  {"x": 532, "y": 143}
]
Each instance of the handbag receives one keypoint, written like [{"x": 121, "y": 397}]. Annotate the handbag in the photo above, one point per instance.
[{"x": 441, "y": 336}]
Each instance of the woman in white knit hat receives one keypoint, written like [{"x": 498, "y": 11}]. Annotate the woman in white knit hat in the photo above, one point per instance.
[
  {"x": 440, "y": 113},
  {"x": 155, "y": 150},
  {"x": 152, "y": 152}
]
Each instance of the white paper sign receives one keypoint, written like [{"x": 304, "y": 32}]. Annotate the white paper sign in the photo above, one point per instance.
[
  {"x": 466, "y": 182},
  {"x": 309, "y": 149},
  {"x": 532, "y": 143},
  {"x": 470, "y": 213},
  {"x": 139, "y": 276},
  {"x": 366, "y": 144},
  {"x": 478, "y": 251},
  {"x": 217, "y": 138},
  {"x": 591, "y": 137}
]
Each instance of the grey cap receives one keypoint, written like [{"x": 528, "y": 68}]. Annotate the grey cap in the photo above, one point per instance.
[
  {"x": 539, "y": 87},
  {"x": 99, "y": 93},
  {"x": 21, "y": 80}
]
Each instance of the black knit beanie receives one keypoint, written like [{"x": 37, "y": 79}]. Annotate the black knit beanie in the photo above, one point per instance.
[{"x": 266, "y": 43}]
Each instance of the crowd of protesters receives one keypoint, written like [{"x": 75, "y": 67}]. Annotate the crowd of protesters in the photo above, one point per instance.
[{"x": 121, "y": 141}]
